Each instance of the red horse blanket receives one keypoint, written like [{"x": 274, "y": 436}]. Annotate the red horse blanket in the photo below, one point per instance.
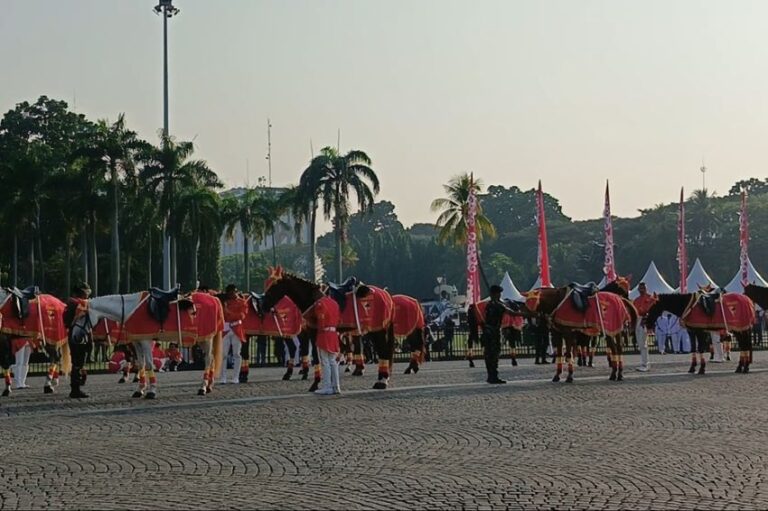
[
  {"x": 374, "y": 311},
  {"x": 200, "y": 322},
  {"x": 408, "y": 315},
  {"x": 609, "y": 319},
  {"x": 45, "y": 320},
  {"x": 286, "y": 321},
  {"x": 733, "y": 312},
  {"x": 108, "y": 330},
  {"x": 506, "y": 322}
]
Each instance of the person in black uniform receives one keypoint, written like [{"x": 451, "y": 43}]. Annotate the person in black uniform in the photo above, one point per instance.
[
  {"x": 79, "y": 345},
  {"x": 494, "y": 313}
]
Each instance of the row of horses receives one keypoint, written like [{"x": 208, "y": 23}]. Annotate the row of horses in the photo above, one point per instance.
[{"x": 574, "y": 314}]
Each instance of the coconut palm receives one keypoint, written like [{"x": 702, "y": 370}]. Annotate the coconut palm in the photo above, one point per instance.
[
  {"x": 332, "y": 178},
  {"x": 168, "y": 169},
  {"x": 453, "y": 210},
  {"x": 198, "y": 213},
  {"x": 240, "y": 212}
]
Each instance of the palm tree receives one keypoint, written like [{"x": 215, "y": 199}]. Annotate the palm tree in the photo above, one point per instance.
[
  {"x": 331, "y": 178},
  {"x": 702, "y": 218},
  {"x": 453, "y": 209},
  {"x": 240, "y": 211},
  {"x": 268, "y": 209},
  {"x": 198, "y": 212},
  {"x": 167, "y": 170}
]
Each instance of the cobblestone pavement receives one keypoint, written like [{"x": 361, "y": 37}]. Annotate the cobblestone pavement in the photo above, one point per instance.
[{"x": 439, "y": 439}]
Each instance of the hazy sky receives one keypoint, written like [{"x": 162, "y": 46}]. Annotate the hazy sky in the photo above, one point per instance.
[{"x": 569, "y": 92}]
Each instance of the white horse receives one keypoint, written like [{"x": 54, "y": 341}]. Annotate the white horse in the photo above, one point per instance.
[{"x": 120, "y": 308}]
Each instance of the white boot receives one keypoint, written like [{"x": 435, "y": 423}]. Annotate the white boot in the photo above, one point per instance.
[
  {"x": 335, "y": 375},
  {"x": 325, "y": 381}
]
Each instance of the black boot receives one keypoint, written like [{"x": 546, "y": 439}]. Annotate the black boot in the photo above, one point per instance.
[{"x": 76, "y": 393}]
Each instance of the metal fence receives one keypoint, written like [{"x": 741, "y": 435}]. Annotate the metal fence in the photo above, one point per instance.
[{"x": 271, "y": 352}]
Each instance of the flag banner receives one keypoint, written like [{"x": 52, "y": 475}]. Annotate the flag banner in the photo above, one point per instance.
[
  {"x": 473, "y": 277},
  {"x": 609, "y": 268},
  {"x": 543, "y": 255},
  {"x": 682, "y": 261},
  {"x": 744, "y": 239}
]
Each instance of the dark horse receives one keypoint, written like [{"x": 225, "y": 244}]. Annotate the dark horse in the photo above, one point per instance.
[
  {"x": 549, "y": 302},
  {"x": 735, "y": 316},
  {"x": 304, "y": 294}
]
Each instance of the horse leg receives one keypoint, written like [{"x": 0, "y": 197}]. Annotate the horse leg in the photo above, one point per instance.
[
  {"x": 208, "y": 372},
  {"x": 304, "y": 352},
  {"x": 288, "y": 342},
  {"x": 245, "y": 361},
  {"x": 51, "y": 376},
  {"x": 139, "y": 348},
  {"x": 359, "y": 357},
  {"x": 695, "y": 344},
  {"x": 704, "y": 347},
  {"x": 317, "y": 369},
  {"x": 384, "y": 350},
  {"x": 5, "y": 362},
  {"x": 610, "y": 351},
  {"x": 620, "y": 356},
  {"x": 559, "y": 358}
]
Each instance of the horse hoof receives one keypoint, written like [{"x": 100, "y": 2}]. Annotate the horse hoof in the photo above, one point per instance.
[
  {"x": 612, "y": 377},
  {"x": 692, "y": 370},
  {"x": 121, "y": 380},
  {"x": 150, "y": 395},
  {"x": 208, "y": 389},
  {"x": 135, "y": 379},
  {"x": 556, "y": 378},
  {"x": 701, "y": 370},
  {"x": 47, "y": 390},
  {"x": 514, "y": 362},
  {"x": 304, "y": 376},
  {"x": 138, "y": 393},
  {"x": 407, "y": 371},
  {"x": 620, "y": 377},
  {"x": 740, "y": 369},
  {"x": 313, "y": 387},
  {"x": 569, "y": 379},
  {"x": 380, "y": 385},
  {"x": 347, "y": 370},
  {"x": 286, "y": 376},
  {"x": 6, "y": 393},
  {"x": 471, "y": 364},
  {"x": 200, "y": 392},
  {"x": 357, "y": 372},
  {"x": 415, "y": 369}
]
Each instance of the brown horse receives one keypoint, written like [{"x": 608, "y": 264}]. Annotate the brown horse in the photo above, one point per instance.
[
  {"x": 605, "y": 314},
  {"x": 731, "y": 312},
  {"x": 305, "y": 293}
]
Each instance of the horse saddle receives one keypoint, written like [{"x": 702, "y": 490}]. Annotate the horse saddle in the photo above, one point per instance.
[
  {"x": 21, "y": 299},
  {"x": 257, "y": 302},
  {"x": 515, "y": 306},
  {"x": 580, "y": 294},
  {"x": 708, "y": 301},
  {"x": 338, "y": 292},
  {"x": 160, "y": 302}
]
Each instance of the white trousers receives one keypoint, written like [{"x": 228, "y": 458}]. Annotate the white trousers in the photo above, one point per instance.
[
  {"x": 718, "y": 347},
  {"x": 330, "y": 368},
  {"x": 231, "y": 341},
  {"x": 642, "y": 343},
  {"x": 21, "y": 369}
]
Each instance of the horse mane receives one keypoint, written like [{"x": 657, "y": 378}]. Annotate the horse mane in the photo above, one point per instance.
[
  {"x": 616, "y": 288},
  {"x": 675, "y": 303},
  {"x": 757, "y": 294}
]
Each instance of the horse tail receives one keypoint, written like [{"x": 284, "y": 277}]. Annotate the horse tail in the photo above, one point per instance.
[
  {"x": 217, "y": 352},
  {"x": 66, "y": 358}
]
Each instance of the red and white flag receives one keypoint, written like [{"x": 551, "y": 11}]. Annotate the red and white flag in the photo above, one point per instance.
[
  {"x": 744, "y": 239},
  {"x": 543, "y": 256},
  {"x": 682, "y": 256},
  {"x": 609, "y": 267},
  {"x": 473, "y": 278}
]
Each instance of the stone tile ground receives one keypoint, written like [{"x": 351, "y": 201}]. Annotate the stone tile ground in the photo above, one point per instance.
[{"x": 439, "y": 439}]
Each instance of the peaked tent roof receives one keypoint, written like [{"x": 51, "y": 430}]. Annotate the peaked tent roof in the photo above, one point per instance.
[
  {"x": 734, "y": 286},
  {"x": 698, "y": 277},
  {"x": 510, "y": 292},
  {"x": 653, "y": 281},
  {"x": 537, "y": 284}
]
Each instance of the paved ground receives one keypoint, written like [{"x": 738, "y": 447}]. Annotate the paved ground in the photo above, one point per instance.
[{"x": 439, "y": 439}]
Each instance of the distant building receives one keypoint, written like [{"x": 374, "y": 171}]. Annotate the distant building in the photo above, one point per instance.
[{"x": 284, "y": 232}]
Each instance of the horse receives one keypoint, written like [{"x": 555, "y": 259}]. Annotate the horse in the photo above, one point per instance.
[
  {"x": 28, "y": 314},
  {"x": 408, "y": 324},
  {"x": 366, "y": 310},
  {"x": 197, "y": 319},
  {"x": 602, "y": 313},
  {"x": 731, "y": 312}
]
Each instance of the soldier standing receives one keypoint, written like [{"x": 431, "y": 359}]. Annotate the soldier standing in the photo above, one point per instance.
[
  {"x": 494, "y": 313},
  {"x": 79, "y": 345}
]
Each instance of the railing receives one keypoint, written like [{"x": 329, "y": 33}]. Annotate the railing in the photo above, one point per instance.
[{"x": 272, "y": 352}]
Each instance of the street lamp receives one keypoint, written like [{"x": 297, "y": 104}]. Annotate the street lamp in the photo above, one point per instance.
[{"x": 166, "y": 8}]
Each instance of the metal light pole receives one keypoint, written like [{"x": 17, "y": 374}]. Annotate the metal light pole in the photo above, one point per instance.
[{"x": 166, "y": 8}]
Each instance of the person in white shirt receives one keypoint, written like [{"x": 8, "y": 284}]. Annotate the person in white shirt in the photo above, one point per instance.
[{"x": 666, "y": 327}]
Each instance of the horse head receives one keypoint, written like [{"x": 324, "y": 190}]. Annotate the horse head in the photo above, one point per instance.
[
  {"x": 673, "y": 303},
  {"x": 757, "y": 294},
  {"x": 281, "y": 283}
]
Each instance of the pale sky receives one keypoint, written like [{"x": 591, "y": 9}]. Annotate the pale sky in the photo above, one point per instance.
[{"x": 569, "y": 92}]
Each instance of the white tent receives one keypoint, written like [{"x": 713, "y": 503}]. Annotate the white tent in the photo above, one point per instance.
[
  {"x": 753, "y": 277},
  {"x": 537, "y": 284},
  {"x": 698, "y": 277},
  {"x": 653, "y": 281},
  {"x": 510, "y": 292}
]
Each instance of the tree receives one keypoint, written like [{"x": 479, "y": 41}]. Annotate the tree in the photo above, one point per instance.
[
  {"x": 752, "y": 185},
  {"x": 453, "y": 210},
  {"x": 332, "y": 178},
  {"x": 198, "y": 215},
  {"x": 240, "y": 212},
  {"x": 167, "y": 171}
]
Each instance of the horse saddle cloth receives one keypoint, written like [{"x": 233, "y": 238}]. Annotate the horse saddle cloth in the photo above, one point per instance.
[
  {"x": 580, "y": 295},
  {"x": 21, "y": 298},
  {"x": 338, "y": 292},
  {"x": 160, "y": 302},
  {"x": 708, "y": 301}
]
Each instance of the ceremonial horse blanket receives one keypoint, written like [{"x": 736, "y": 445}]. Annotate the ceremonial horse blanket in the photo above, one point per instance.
[{"x": 732, "y": 312}]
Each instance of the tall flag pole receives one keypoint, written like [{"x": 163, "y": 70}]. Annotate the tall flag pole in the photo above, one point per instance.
[
  {"x": 543, "y": 255},
  {"x": 473, "y": 278},
  {"x": 744, "y": 239},
  {"x": 609, "y": 268},
  {"x": 682, "y": 256}
]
